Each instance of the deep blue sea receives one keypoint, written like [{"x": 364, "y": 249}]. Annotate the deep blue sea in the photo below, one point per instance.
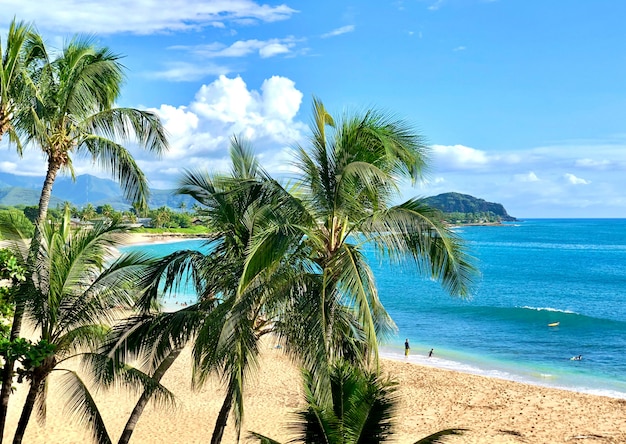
[{"x": 532, "y": 273}]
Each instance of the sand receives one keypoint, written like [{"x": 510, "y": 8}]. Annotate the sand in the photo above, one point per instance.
[{"x": 430, "y": 399}]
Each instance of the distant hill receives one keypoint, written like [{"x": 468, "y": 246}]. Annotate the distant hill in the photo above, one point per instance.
[
  {"x": 464, "y": 203},
  {"x": 24, "y": 190}
]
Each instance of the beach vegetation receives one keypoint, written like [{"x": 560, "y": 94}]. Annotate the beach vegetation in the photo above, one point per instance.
[
  {"x": 360, "y": 410},
  {"x": 289, "y": 260},
  {"x": 225, "y": 326},
  {"x": 76, "y": 296},
  {"x": 21, "y": 49},
  {"x": 350, "y": 173},
  {"x": 70, "y": 111}
]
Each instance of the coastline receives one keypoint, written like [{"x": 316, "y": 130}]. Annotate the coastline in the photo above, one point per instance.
[
  {"x": 473, "y": 365},
  {"x": 429, "y": 399},
  {"x": 493, "y": 409}
]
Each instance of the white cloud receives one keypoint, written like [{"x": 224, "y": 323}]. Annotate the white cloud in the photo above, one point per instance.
[
  {"x": 201, "y": 131},
  {"x": 459, "y": 157},
  {"x": 142, "y": 16},
  {"x": 593, "y": 164},
  {"x": 273, "y": 49},
  {"x": 241, "y": 48},
  {"x": 435, "y": 6},
  {"x": 459, "y": 48},
  {"x": 339, "y": 31},
  {"x": 530, "y": 177},
  {"x": 188, "y": 72},
  {"x": 575, "y": 180}
]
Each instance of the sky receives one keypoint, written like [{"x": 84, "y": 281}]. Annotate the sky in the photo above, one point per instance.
[{"x": 521, "y": 102}]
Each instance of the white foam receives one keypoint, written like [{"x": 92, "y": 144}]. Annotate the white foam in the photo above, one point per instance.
[{"x": 539, "y": 379}]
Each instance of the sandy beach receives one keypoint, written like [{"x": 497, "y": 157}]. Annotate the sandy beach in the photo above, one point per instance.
[
  {"x": 430, "y": 399},
  {"x": 494, "y": 411}
]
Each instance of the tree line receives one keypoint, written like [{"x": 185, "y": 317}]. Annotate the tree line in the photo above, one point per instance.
[
  {"x": 281, "y": 259},
  {"x": 162, "y": 217}
]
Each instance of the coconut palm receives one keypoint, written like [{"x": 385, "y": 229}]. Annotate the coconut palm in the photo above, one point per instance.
[
  {"x": 74, "y": 299},
  {"x": 71, "y": 113},
  {"x": 349, "y": 179},
  {"x": 225, "y": 327},
  {"x": 22, "y": 47},
  {"x": 360, "y": 410}
]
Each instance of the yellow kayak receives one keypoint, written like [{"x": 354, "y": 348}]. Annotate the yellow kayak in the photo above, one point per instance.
[{"x": 554, "y": 324}]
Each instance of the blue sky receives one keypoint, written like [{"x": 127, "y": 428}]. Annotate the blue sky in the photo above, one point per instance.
[{"x": 522, "y": 102}]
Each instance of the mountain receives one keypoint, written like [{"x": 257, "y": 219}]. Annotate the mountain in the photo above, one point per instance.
[
  {"x": 464, "y": 203},
  {"x": 25, "y": 190}
]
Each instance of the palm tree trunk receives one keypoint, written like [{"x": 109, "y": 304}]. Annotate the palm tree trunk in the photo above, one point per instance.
[
  {"x": 145, "y": 397},
  {"x": 44, "y": 200},
  {"x": 16, "y": 326},
  {"x": 29, "y": 404},
  {"x": 222, "y": 418}
]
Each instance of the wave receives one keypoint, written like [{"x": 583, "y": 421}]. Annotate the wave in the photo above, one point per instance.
[
  {"x": 528, "y": 315},
  {"x": 548, "y": 309}
]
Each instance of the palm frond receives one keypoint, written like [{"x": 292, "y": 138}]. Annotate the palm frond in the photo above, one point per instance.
[
  {"x": 81, "y": 405},
  {"x": 108, "y": 372},
  {"x": 413, "y": 231},
  {"x": 439, "y": 437},
  {"x": 118, "y": 161},
  {"x": 262, "y": 439}
]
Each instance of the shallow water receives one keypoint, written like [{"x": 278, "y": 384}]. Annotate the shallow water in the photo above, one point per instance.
[{"x": 533, "y": 273}]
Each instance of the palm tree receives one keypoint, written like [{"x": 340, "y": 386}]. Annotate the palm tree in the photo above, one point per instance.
[
  {"x": 71, "y": 113},
  {"x": 22, "y": 47},
  {"x": 88, "y": 213},
  {"x": 295, "y": 260},
  {"x": 224, "y": 326},
  {"x": 360, "y": 410},
  {"x": 74, "y": 300},
  {"x": 349, "y": 179}
]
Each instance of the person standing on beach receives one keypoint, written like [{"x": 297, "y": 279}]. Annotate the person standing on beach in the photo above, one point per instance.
[
  {"x": 406, "y": 347},
  {"x": 430, "y": 353}
]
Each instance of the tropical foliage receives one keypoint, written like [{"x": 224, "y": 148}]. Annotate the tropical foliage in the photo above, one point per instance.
[
  {"x": 21, "y": 49},
  {"x": 65, "y": 108},
  {"x": 72, "y": 303},
  {"x": 225, "y": 327},
  {"x": 360, "y": 410},
  {"x": 291, "y": 261}
]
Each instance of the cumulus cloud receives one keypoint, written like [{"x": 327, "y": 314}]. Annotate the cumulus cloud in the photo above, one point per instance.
[
  {"x": 200, "y": 132},
  {"x": 459, "y": 157},
  {"x": 339, "y": 31},
  {"x": 575, "y": 180},
  {"x": 143, "y": 16}
]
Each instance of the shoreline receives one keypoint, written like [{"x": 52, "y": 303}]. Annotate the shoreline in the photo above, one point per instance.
[
  {"x": 468, "y": 366},
  {"x": 429, "y": 400},
  {"x": 485, "y": 370}
]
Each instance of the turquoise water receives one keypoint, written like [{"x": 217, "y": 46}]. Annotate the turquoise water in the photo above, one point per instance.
[{"x": 533, "y": 273}]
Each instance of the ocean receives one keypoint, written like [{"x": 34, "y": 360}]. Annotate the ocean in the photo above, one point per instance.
[{"x": 533, "y": 273}]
